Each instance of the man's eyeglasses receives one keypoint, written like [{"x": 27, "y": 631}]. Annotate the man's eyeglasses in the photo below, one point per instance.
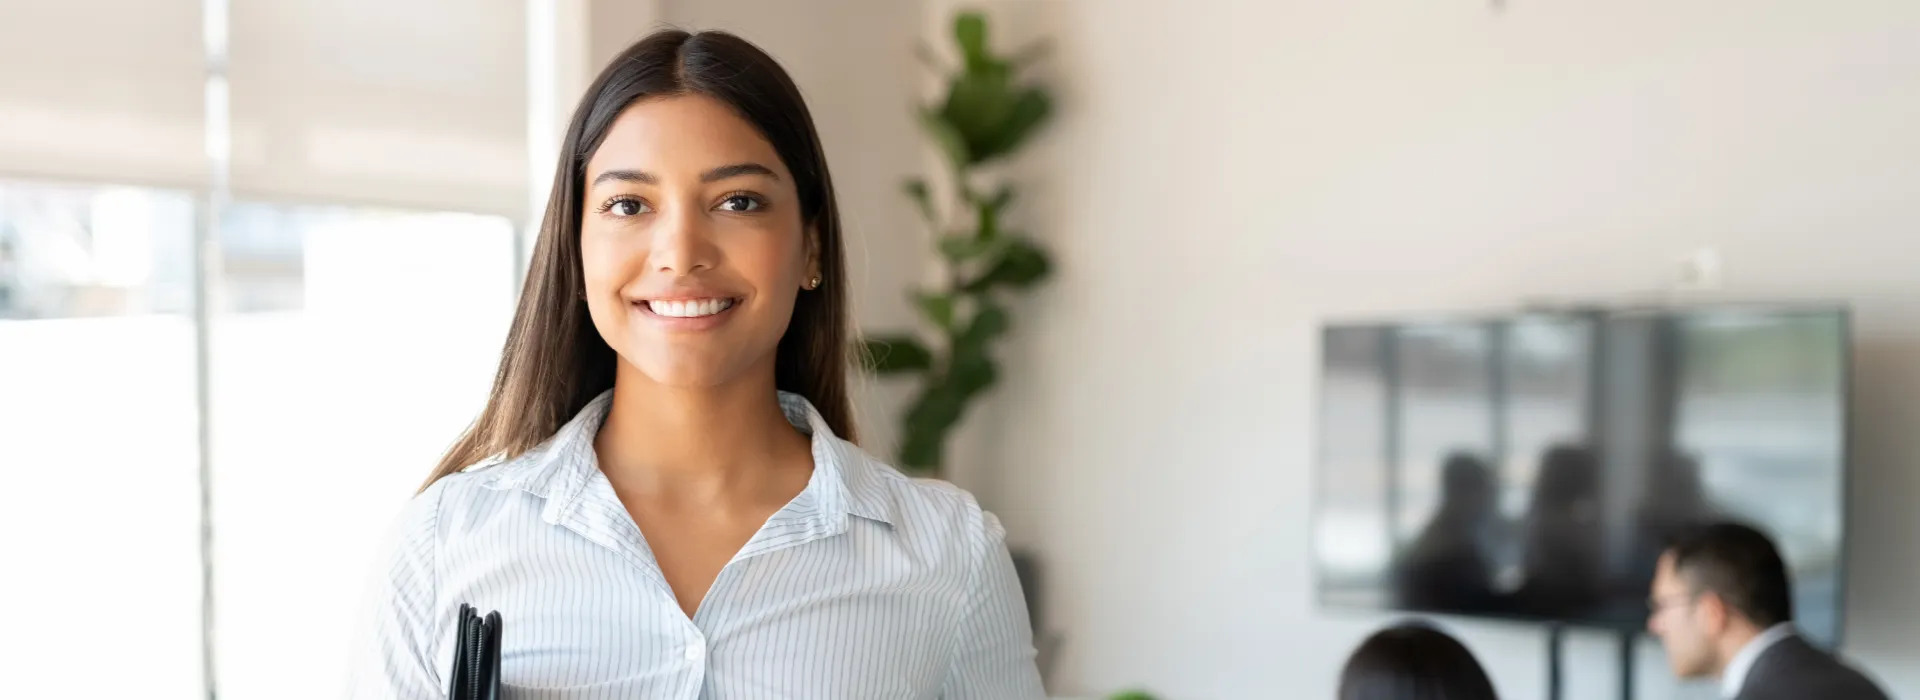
[{"x": 1659, "y": 604}]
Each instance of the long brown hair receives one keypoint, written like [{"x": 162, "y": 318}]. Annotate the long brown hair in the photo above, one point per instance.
[{"x": 555, "y": 362}]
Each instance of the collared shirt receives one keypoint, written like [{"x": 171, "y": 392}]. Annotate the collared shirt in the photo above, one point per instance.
[
  {"x": 1735, "y": 677},
  {"x": 868, "y": 584}
]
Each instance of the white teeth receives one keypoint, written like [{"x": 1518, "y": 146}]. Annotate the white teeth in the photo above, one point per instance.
[{"x": 690, "y": 309}]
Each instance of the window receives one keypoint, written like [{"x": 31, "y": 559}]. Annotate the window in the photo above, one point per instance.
[
  {"x": 350, "y": 330},
  {"x": 349, "y": 348},
  {"x": 352, "y": 347},
  {"x": 98, "y": 416}
]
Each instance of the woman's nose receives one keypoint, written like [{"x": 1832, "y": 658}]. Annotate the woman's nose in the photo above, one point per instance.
[{"x": 682, "y": 243}]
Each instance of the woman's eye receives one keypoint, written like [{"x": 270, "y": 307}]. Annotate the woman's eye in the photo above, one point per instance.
[
  {"x": 626, "y": 207},
  {"x": 740, "y": 202}
]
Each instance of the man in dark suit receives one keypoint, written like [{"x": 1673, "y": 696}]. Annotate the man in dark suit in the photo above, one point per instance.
[{"x": 1722, "y": 607}]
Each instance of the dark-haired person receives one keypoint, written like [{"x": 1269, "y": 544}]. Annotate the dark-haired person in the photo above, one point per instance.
[
  {"x": 1449, "y": 566},
  {"x": 1413, "y": 661},
  {"x": 1722, "y": 607},
  {"x": 661, "y": 497},
  {"x": 1562, "y": 557}
]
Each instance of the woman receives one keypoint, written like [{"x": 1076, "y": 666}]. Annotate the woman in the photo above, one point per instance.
[
  {"x": 668, "y": 504},
  {"x": 1412, "y": 661}
]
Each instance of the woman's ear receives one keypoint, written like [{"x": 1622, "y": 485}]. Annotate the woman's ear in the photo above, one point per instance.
[{"x": 811, "y": 271}]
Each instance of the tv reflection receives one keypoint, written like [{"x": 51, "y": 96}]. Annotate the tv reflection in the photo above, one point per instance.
[{"x": 1550, "y": 562}]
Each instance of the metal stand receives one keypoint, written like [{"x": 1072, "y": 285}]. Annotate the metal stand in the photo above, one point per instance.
[
  {"x": 1556, "y": 655},
  {"x": 1627, "y": 639},
  {"x": 1556, "y": 650}
]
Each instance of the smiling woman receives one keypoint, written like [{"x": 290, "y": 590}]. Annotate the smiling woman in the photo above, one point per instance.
[
  {"x": 696, "y": 244},
  {"x": 662, "y": 497}
]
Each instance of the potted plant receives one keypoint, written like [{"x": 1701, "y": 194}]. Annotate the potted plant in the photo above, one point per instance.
[{"x": 988, "y": 111}]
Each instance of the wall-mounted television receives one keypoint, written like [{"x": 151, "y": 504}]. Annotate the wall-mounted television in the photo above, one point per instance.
[{"x": 1532, "y": 465}]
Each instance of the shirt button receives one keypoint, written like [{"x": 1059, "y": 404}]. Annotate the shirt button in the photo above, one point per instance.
[{"x": 695, "y": 652}]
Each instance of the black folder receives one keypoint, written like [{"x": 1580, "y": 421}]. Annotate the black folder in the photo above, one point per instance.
[{"x": 476, "y": 658}]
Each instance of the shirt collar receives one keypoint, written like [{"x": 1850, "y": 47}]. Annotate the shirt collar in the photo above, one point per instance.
[
  {"x": 1735, "y": 676},
  {"x": 844, "y": 481}
]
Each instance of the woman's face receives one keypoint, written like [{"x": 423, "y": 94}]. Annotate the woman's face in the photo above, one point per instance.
[{"x": 691, "y": 242}]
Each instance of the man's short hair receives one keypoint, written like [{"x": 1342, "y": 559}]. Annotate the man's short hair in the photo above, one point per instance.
[{"x": 1739, "y": 564}]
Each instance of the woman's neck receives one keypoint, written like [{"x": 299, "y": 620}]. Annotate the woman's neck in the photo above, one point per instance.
[{"x": 706, "y": 445}]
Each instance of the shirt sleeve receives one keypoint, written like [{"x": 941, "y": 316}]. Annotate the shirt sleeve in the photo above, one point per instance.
[
  {"x": 995, "y": 656},
  {"x": 393, "y": 655}
]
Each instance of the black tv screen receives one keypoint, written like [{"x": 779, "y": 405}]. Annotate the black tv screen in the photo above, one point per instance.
[{"x": 1532, "y": 466}]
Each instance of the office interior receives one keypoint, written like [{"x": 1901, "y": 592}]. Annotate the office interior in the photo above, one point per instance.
[{"x": 257, "y": 258}]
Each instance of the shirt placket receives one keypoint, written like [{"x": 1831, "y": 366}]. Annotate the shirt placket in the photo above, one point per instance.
[{"x": 598, "y": 515}]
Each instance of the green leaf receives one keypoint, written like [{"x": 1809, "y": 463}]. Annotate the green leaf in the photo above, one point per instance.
[
  {"x": 920, "y": 453},
  {"x": 970, "y": 32},
  {"x": 988, "y": 323},
  {"x": 1024, "y": 114},
  {"x": 977, "y": 102},
  {"x": 951, "y": 142},
  {"x": 895, "y": 354},
  {"x": 937, "y": 307},
  {"x": 973, "y": 371},
  {"x": 959, "y": 248},
  {"x": 926, "y": 424},
  {"x": 916, "y": 188},
  {"x": 1021, "y": 264},
  {"x": 970, "y": 365}
]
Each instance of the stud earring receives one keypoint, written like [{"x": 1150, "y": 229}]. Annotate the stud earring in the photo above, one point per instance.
[{"x": 814, "y": 282}]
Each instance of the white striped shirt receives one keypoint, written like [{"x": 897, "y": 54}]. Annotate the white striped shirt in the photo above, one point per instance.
[{"x": 867, "y": 585}]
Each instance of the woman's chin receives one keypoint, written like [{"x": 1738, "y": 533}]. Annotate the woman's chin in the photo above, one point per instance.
[{"x": 679, "y": 370}]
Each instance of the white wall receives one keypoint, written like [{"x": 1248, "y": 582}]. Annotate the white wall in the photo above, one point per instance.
[{"x": 1227, "y": 174}]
